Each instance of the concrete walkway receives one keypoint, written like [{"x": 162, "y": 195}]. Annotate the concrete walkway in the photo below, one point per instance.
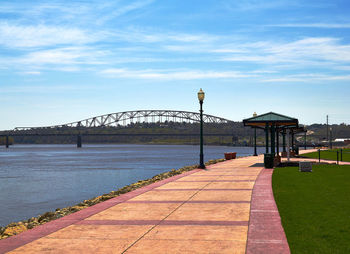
[{"x": 228, "y": 208}]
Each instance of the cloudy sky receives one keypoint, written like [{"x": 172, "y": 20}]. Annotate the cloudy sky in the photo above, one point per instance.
[{"x": 63, "y": 61}]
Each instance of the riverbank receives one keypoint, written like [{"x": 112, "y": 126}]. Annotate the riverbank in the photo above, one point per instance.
[{"x": 15, "y": 228}]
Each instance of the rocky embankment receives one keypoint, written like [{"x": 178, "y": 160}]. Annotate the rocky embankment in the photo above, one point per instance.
[{"x": 15, "y": 228}]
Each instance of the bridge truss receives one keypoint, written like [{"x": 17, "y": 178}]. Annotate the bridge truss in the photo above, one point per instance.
[{"x": 140, "y": 116}]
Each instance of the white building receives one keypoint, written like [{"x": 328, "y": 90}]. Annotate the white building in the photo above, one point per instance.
[{"x": 342, "y": 140}]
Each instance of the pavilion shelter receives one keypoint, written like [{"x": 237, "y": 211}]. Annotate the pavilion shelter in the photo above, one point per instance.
[
  {"x": 273, "y": 124},
  {"x": 293, "y": 132}
]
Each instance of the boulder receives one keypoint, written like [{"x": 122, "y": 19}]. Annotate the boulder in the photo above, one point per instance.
[
  {"x": 14, "y": 230},
  {"x": 46, "y": 216}
]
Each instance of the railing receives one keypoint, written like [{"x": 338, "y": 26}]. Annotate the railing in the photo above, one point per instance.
[{"x": 338, "y": 154}]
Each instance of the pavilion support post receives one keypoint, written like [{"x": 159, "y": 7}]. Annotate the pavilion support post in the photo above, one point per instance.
[
  {"x": 273, "y": 139},
  {"x": 255, "y": 153},
  {"x": 284, "y": 140},
  {"x": 277, "y": 142},
  {"x": 305, "y": 140},
  {"x": 267, "y": 137},
  {"x": 292, "y": 140}
]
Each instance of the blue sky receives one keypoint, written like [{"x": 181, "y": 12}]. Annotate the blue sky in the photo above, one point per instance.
[{"x": 63, "y": 61}]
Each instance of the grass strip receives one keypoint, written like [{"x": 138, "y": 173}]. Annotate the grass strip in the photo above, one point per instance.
[{"x": 314, "y": 207}]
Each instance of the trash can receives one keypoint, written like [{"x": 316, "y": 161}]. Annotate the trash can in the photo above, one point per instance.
[
  {"x": 297, "y": 150},
  {"x": 269, "y": 160}
]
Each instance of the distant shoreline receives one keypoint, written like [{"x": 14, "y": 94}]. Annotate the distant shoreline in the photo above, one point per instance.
[{"x": 152, "y": 143}]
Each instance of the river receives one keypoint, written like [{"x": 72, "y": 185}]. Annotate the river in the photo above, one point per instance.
[{"x": 38, "y": 178}]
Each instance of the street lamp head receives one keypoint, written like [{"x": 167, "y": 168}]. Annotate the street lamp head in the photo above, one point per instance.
[
  {"x": 255, "y": 114},
  {"x": 201, "y": 95}
]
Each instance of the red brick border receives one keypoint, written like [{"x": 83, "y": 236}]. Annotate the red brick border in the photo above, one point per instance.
[
  {"x": 214, "y": 181},
  {"x": 160, "y": 190},
  {"x": 28, "y": 236},
  {"x": 265, "y": 233}
]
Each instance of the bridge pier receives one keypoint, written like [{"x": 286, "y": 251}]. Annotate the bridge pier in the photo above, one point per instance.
[
  {"x": 79, "y": 141},
  {"x": 7, "y": 142}
]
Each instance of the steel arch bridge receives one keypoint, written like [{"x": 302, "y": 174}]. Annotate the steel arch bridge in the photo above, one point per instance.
[{"x": 139, "y": 116}]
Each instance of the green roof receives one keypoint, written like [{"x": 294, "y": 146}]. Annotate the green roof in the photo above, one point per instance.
[{"x": 271, "y": 118}]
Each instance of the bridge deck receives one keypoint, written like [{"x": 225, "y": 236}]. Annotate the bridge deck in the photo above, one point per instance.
[{"x": 196, "y": 212}]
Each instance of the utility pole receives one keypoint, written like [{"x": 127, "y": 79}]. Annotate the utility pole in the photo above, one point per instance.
[
  {"x": 327, "y": 130},
  {"x": 288, "y": 144}
]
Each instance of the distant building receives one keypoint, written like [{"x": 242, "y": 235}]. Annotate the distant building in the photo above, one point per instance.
[{"x": 345, "y": 140}]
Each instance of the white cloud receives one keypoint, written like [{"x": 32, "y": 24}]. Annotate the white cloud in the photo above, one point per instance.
[
  {"x": 228, "y": 50},
  {"x": 72, "y": 47},
  {"x": 122, "y": 10},
  {"x": 66, "y": 59},
  {"x": 343, "y": 68},
  {"x": 35, "y": 89},
  {"x": 258, "y": 5},
  {"x": 137, "y": 35},
  {"x": 32, "y": 72},
  {"x": 313, "y": 25},
  {"x": 21, "y": 36},
  {"x": 90, "y": 12},
  {"x": 312, "y": 77},
  {"x": 173, "y": 75},
  {"x": 313, "y": 50},
  {"x": 54, "y": 56}
]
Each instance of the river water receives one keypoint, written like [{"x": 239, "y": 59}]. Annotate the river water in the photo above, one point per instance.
[{"x": 38, "y": 178}]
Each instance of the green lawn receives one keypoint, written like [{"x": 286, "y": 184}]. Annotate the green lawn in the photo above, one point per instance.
[
  {"x": 330, "y": 154},
  {"x": 314, "y": 208}
]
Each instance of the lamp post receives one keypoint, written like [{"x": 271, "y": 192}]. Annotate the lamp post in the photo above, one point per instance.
[
  {"x": 201, "y": 157},
  {"x": 255, "y": 153},
  {"x": 330, "y": 138}
]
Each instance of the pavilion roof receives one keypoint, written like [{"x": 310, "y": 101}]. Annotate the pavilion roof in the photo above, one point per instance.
[{"x": 271, "y": 118}]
